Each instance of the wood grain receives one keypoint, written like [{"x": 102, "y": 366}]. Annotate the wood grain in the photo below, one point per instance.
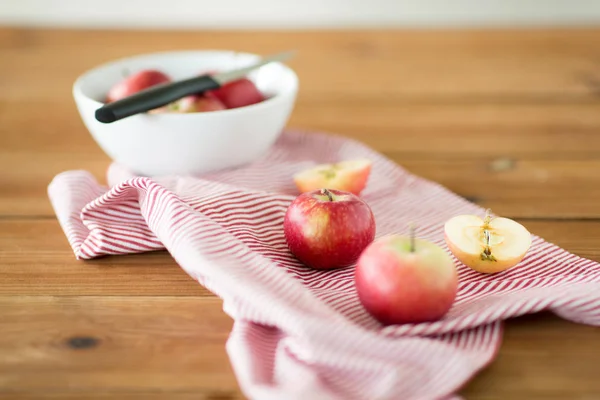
[
  {"x": 508, "y": 119},
  {"x": 554, "y": 149},
  {"x": 441, "y": 64},
  {"x": 121, "y": 395},
  {"x": 114, "y": 343},
  {"x": 132, "y": 347},
  {"x": 132, "y": 339},
  {"x": 523, "y": 95},
  {"x": 519, "y": 188},
  {"x": 37, "y": 260},
  {"x": 560, "y": 353}
]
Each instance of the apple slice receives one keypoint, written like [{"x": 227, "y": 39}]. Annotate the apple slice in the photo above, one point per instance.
[
  {"x": 191, "y": 104},
  {"x": 208, "y": 103},
  {"x": 199, "y": 104},
  {"x": 487, "y": 245},
  {"x": 350, "y": 176}
]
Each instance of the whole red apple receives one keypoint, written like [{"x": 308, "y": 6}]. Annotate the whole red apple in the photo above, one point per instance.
[
  {"x": 401, "y": 279},
  {"x": 135, "y": 83},
  {"x": 239, "y": 93},
  {"x": 328, "y": 229}
]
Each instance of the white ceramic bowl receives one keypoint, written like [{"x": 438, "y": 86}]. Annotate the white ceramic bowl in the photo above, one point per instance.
[{"x": 194, "y": 143}]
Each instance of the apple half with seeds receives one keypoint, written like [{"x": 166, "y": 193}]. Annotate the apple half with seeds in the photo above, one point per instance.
[
  {"x": 350, "y": 176},
  {"x": 487, "y": 245}
]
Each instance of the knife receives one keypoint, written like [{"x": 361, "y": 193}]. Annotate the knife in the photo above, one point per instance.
[{"x": 163, "y": 94}]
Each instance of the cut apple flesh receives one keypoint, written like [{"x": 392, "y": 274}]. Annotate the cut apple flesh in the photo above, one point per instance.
[
  {"x": 487, "y": 245},
  {"x": 350, "y": 176}
]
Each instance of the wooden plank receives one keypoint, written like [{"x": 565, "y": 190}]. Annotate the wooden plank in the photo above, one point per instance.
[
  {"x": 37, "y": 260},
  {"x": 509, "y": 119},
  {"x": 418, "y": 130},
  {"x": 512, "y": 186},
  {"x": 88, "y": 344},
  {"x": 98, "y": 347},
  {"x": 542, "y": 357},
  {"x": 443, "y": 64},
  {"x": 121, "y": 395},
  {"x": 555, "y": 148},
  {"x": 414, "y": 124},
  {"x": 519, "y": 188},
  {"x": 461, "y": 130}
]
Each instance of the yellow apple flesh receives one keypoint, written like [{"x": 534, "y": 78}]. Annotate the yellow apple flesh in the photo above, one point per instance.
[{"x": 487, "y": 245}]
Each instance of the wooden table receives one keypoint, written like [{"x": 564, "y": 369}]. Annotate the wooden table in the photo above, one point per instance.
[{"x": 508, "y": 119}]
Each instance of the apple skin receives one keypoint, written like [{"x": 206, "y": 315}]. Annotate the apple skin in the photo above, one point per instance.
[
  {"x": 135, "y": 83},
  {"x": 398, "y": 286},
  {"x": 327, "y": 234},
  {"x": 239, "y": 93}
]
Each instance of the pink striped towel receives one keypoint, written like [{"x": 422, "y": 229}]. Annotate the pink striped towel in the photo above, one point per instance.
[{"x": 300, "y": 333}]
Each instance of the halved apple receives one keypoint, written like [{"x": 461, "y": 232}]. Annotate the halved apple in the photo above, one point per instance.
[
  {"x": 191, "y": 104},
  {"x": 350, "y": 176},
  {"x": 487, "y": 245}
]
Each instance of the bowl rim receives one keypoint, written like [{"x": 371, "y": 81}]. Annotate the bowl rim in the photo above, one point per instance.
[{"x": 276, "y": 98}]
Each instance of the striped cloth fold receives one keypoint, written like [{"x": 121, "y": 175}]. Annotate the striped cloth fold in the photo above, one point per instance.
[{"x": 301, "y": 333}]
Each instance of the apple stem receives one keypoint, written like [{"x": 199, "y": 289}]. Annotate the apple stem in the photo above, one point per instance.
[
  {"x": 412, "y": 238},
  {"x": 488, "y": 217},
  {"x": 328, "y": 194}
]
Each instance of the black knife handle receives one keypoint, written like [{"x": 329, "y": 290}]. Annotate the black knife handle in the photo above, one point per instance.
[{"x": 154, "y": 97}]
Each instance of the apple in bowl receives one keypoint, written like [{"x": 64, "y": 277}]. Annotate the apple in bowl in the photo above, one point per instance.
[
  {"x": 135, "y": 83},
  {"x": 239, "y": 93}
]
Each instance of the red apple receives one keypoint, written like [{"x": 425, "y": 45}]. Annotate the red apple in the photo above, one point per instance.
[
  {"x": 401, "y": 279},
  {"x": 328, "y": 229},
  {"x": 239, "y": 93},
  {"x": 135, "y": 83},
  {"x": 349, "y": 175}
]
